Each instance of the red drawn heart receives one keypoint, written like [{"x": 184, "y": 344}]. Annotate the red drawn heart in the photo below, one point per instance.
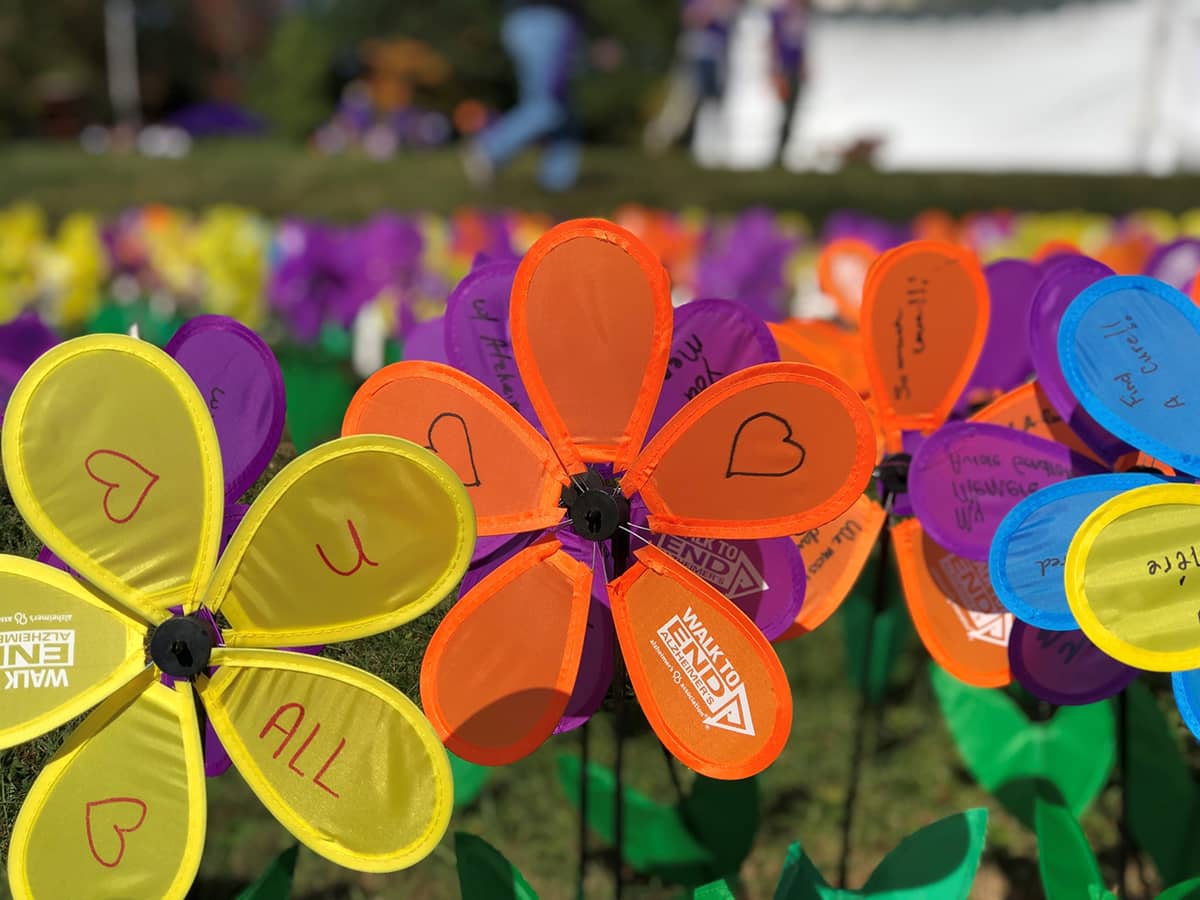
[
  {"x": 116, "y": 813},
  {"x": 763, "y": 448},
  {"x": 121, "y": 474}
]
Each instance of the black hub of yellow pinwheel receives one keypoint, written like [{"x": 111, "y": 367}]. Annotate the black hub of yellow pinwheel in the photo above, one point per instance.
[{"x": 182, "y": 646}]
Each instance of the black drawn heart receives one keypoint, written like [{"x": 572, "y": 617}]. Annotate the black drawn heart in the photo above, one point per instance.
[
  {"x": 763, "y": 448},
  {"x": 449, "y": 438}
]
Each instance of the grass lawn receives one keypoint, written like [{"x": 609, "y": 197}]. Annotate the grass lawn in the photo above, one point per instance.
[{"x": 282, "y": 180}]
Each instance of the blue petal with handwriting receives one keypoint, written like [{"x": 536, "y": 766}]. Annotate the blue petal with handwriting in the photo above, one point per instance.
[
  {"x": 1130, "y": 350},
  {"x": 1030, "y": 546}
]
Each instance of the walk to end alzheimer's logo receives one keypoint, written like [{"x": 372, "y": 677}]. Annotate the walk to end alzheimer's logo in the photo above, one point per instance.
[
  {"x": 36, "y": 657},
  {"x": 706, "y": 675},
  {"x": 723, "y": 564}
]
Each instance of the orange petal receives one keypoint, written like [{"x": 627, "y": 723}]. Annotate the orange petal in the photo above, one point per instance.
[
  {"x": 768, "y": 451},
  {"x": 512, "y": 476},
  {"x": 834, "y": 556},
  {"x": 961, "y": 622},
  {"x": 823, "y": 344},
  {"x": 710, "y": 685},
  {"x": 591, "y": 333},
  {"x": 924, "y": 320},
  {"x": 500, "y": 668}
]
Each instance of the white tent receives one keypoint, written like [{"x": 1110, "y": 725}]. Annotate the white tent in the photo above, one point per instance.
[{"x": 1083, "y": 86}]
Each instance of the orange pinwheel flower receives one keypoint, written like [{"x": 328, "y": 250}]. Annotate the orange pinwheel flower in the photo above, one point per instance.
[{"x": 765, "y": 452}]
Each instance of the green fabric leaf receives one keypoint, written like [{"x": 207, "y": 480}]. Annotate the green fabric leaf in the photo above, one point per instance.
[
  {"x": 1163, "y": 798},
  {"x": 318, "y": 392},
  {"x": 801, "y": 880},
  {"x": 656, "y": 841},
  {"x": 892, "y": 629},
  {"x": 1187, "y": 890},
  {"x": 485, "y": 874},
  {"x": 337, "y": 341},
  {"x": 469, "y": 780},
  {"x": 718, "y": 890},
  {"x": 723, "y": 816},
  {"x": 1065, "y": 859},
  {"x": 936, "y": 863},
  {"x": 275, "y": 883},
  {"x": 1096, "y": 892},
  {"x": 1064, "y": 760}
]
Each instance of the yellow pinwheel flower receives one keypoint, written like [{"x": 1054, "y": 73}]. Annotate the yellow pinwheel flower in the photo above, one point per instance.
[{"x": 111, "y": 455}]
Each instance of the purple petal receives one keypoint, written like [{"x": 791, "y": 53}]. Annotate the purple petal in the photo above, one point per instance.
[
  {"x": 1064, "y": 667},
  {"x": 1062, "y": 281},
  {"x": 968, "y": 475},
  {"x": 477, "y": 334},
  {"x": 242, "y": 386},
  {"x": 710, "y": 339},
  {"x": 1175, "y": 263},
  {"x": 427, "y": 340},
  {"x": 1005, "y": 361}
]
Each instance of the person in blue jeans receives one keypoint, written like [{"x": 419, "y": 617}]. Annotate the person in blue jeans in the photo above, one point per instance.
[{"x": 541, "y": 38}]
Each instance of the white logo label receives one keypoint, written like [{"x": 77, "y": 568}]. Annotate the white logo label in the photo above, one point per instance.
[
  {"x": 722, "y": 564},
  {"x": 973, "y": 602},
  {"x": 700, "y": 665},
  {"x": 36, "y": 658}
]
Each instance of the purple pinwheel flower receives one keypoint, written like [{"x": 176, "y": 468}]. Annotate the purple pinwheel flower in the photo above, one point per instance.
[{"x": 748, "y": 261}]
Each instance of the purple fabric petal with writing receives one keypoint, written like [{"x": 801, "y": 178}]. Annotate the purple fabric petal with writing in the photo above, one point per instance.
[
  {"x": 968, "y": 475},
  {"x": 765, "y": 579},
  {"x": 1062, "y": 281},
  {"x": 242, "y": 386},
  {"x": 1064, "y": 667},
  {"x": 477, "y": 335},
  {"x": 1176, "y": 263},
  {"x": 710, "y": 339},
  {"x": 427, "y": 340}
]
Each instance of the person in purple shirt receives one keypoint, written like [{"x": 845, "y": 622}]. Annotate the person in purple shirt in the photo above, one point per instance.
[{"x": 542, "y": 38}]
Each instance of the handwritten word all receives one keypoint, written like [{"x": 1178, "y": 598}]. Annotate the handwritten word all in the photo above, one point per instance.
[{"x": 288, "y": 720}]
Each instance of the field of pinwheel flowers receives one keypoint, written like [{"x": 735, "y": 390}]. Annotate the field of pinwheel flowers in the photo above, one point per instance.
[{"x": 286, "y": 246}]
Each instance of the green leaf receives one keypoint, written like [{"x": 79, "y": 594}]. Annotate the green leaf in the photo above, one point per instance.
[
  {"x": 892, "y": 629},
  {"x": 318, "y": 392},
  {"x": 1187, "y": 890},
  {"x": 1096, "y": 892},
  {"x": 469, "y": 780},
  {"x": 485, "y": 874},
  {"x": 717, "y": 890},
  {"x": 275, "y": 883},
  {"x": 936, "y": 863},
  {"x": 154, "y": 325},
  {"x": 1064, "y": 760},
  {"x": 1065, "y": 858},
  {"x": 723, "y": 816},
  {"x": 801, "y": 880},
  {"x": 1163, "y": 798},
  {"x": 655, "y": 842}
]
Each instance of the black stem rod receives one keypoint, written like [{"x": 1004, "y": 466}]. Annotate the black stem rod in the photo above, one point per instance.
[
  {"x": 1123, "y": 769},
  {"x": 584, "y": 761},
  {"x": 865, "y": 703},
  {"x": 620, "y": 551}
]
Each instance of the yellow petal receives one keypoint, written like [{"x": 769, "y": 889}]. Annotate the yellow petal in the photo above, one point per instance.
[
  {"x": 119, "y": 811},
  {"x": 112, "y": 458},
  {"x": 354, "y": 537},
  {"x": 62, "y": 649},
  {"x": 342, "y": 759}
]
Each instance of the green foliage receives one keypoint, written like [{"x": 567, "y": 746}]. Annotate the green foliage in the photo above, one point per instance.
[
  {"x": 1065, "y": 859},
  {"x": 1066, "y": 759},
  {"x": 1164, "y": 799},
  {"x": 275, "y": 883},
  {"x": 484, "y": 873},
  {"x": 469, "y": 780},
  {"x": 289, "y": 87},
  {"x": 892, "y": 628}
]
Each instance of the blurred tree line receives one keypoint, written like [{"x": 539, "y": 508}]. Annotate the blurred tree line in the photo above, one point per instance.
[{"x": 288, "y": 60}]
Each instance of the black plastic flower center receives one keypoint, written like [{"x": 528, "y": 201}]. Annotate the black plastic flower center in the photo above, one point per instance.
[
  {"x": 893, "y": 473},
  {"x": 181, "y": 646},
  {"x": 597, "y": 512}
]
